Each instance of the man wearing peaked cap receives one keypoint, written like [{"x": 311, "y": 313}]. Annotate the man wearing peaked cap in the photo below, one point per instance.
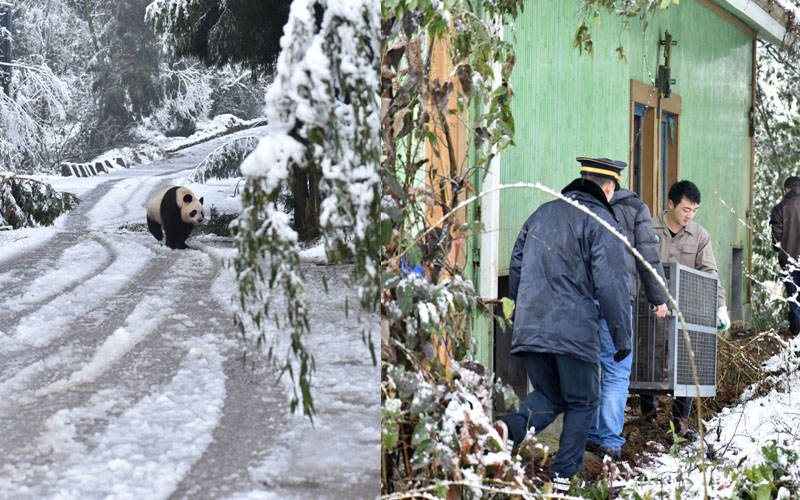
[
  {"x": 602, "y": 167},
  {"x": 564, "y": 263}
]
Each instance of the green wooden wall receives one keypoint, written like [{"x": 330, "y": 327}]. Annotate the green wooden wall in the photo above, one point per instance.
[{"x": 568, "y": 105}]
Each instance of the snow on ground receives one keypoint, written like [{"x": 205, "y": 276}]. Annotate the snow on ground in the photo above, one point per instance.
[
  {"x": 121, "y": 372},
  {"x": 737, "y": 435},
  {"x": 53, "y": 318},
  {"x": 76, "y": 264},
  {"x": 156, "y": 440},
  {"x": 14, "y": 243},
  {"x": 333, "y": 386}
]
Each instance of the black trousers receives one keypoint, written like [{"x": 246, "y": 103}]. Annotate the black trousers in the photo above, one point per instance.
[
  {"x": 561, "y": 384},
  {"x": 681, "y": 405}
]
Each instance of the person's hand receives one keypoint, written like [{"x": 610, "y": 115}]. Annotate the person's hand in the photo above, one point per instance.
[
  {"x": 723, "y": 321},
  {"x": 661, "y": 311},
  {"x": 620, "y": 355}
]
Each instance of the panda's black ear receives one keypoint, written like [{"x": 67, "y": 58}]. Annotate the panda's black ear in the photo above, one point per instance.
[
  {"x": 187, "y": 198},
  {"x": 201, "y": 200}
]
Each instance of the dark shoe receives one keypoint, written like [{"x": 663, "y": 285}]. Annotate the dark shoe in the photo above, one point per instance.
[
  {"x": 593, "y": 448},
  {"x": 614, "y": 455},
  {"x": 648, "y": 405}
]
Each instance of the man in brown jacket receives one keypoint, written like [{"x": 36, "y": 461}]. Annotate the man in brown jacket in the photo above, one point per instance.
[
  {"x": 686, "y": 242},
  {"x": 785, "y": 224}
]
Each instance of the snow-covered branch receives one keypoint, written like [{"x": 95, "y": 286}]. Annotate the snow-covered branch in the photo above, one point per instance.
[{"x": 323, "y": 123}]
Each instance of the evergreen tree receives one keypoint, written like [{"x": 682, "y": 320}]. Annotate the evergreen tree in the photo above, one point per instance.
[
  {"x": 220, "y": 32},
  {"x": 127, "y": 69}
]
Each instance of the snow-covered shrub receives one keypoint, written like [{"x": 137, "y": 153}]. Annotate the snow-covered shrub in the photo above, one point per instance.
[
  {"x": 442, "y": 434},
  {"x": 27, "y": 202},
  {"x": 238, "y": 94},
  {"x": 223, "y": 162},
  {"x": 768, "y": 479},
  {"x": 32, "y": 119},
  {"x": 435, "y": 420}
]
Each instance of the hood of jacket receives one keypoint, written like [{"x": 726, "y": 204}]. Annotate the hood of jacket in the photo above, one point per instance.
[{"x": 621, "y": 195}]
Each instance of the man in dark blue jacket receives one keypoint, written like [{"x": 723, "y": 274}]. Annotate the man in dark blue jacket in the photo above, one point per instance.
[{"x": 563, "y": 261}]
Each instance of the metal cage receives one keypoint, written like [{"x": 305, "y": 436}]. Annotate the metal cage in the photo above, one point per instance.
[{"x": 660, "y": 356}]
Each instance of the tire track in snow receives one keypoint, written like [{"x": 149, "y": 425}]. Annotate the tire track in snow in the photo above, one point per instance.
[
  {"x": 145, "y": 450},
  {"x": 76, "y": 264},
  {"x": 146, "y": 316},
  {"x": 25, "y": 362},
  {"x": 54, "y": 318},
  {"x": 17, "y": 246},
  {"x": 67, "y": 412},
  {"x": 153, "y": 302},
  {"x": 43, "y": 246},
  {"x": 107, "y": 212},
  {"x": 255, "y": 400},
  {"x": 347, "y": 413}
]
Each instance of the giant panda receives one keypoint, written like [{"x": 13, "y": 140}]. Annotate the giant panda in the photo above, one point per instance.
[{"x": 177, "y": 210}]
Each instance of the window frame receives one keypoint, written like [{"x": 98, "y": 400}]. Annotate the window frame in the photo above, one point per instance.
[{"x": 652, "y": 189}]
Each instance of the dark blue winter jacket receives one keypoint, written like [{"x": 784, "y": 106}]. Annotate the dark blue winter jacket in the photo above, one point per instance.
[
  {"x": 562, "y": 261},
  {"x": 634, "y": 216}
]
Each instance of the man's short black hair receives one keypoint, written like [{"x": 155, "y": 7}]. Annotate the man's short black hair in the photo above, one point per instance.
[
  {"x": 684, "y": 189},
  {"x": 792, "y": 183}
]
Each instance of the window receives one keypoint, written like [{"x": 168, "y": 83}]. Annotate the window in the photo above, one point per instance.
[{"x": 655, "y": 141}]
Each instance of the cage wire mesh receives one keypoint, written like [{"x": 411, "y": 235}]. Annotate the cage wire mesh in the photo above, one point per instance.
[{"x": 660, "y": 356}]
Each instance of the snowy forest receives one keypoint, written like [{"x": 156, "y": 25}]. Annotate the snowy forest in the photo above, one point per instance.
[
  {"x": 91, "y": 76},
  {"x": 83, "y": 79},
  {"x": 438, "y": 403}
]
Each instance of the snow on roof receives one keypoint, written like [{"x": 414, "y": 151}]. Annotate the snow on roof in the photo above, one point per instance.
[{"x": 775, "y": 21}]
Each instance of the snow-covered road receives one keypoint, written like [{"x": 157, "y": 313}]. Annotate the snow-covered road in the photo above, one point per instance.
[{"x": 122, "y": 375}]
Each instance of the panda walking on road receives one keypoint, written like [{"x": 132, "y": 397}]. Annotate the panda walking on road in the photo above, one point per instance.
[{"x": 177, "y": 210}]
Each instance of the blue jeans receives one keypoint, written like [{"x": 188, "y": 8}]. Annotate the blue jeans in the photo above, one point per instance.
[
  {"x": 607, "y": 427},
  {"x": 791, "y": 281},
  {"x": 561, "y": 384}
]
